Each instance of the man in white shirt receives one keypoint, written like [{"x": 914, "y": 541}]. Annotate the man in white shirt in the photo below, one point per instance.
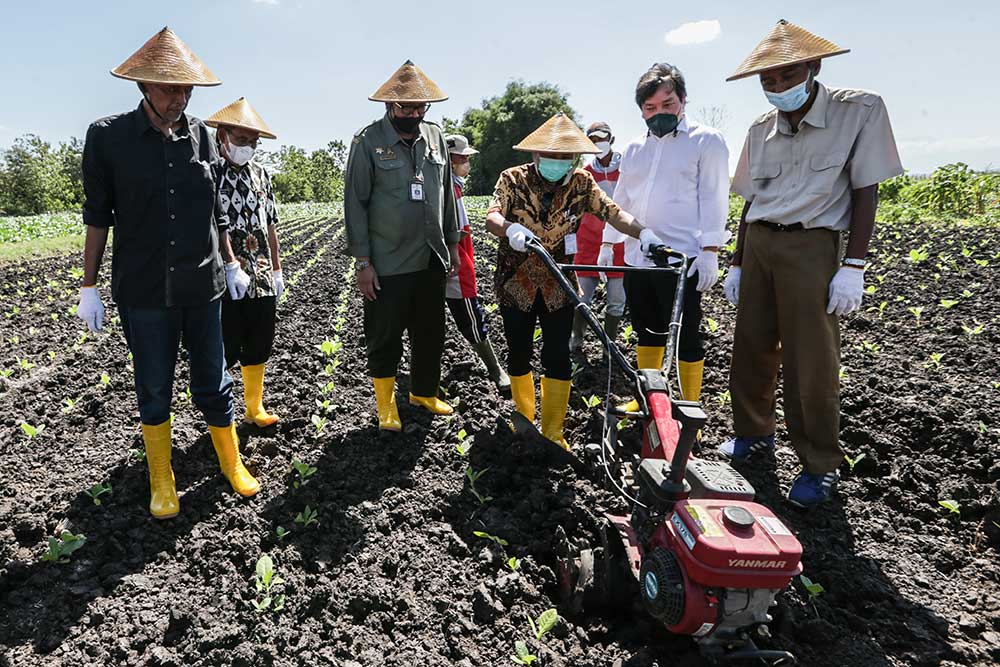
[{"x": 676, "y": 179}]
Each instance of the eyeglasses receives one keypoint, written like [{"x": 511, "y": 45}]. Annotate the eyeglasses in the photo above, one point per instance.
[{"x": 411, "y": 109}]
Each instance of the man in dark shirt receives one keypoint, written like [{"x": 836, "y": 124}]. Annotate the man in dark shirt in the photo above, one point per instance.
[{"x": 151, "y": 174}]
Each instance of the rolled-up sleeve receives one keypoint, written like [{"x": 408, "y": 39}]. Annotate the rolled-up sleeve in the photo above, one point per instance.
[
  {"x": 875, "y": 157},
  {"x": 503, "y": 195},
  {"x": 357, "y": 194},
  {"x": 713, "y": 191},
  {"x": 99, "y": 202},
  {"x": 612, "y": 235}
]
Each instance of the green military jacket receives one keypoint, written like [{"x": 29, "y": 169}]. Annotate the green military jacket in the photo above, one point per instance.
[{"x": 383, "y": 223}]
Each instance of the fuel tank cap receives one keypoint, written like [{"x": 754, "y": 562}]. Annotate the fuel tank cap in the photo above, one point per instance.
[{"x": 737, "y": 517}]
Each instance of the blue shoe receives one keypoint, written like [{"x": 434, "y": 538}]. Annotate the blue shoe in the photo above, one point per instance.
[
  {"x": 741, "y": 449},
  {"x": 810, "y": 490}
]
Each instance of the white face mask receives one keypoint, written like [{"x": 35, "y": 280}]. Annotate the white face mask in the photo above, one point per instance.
[
  {"x": 239, "y": 155},
  {"x": 461, "y": 170},
  {"x": 604, "y": 147}
]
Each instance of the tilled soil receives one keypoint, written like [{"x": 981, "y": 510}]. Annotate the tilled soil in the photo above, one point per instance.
[{"x": 393, "y": 573}]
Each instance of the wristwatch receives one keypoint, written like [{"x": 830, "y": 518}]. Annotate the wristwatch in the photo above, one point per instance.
[
  {"x": 362, "y": 264},
  {"x": 854, "y": 262}
]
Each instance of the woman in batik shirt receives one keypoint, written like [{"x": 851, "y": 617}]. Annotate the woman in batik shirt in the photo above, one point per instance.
[
  {"x": 545, "y": 200},
  {"x": 246, "y": 199}
]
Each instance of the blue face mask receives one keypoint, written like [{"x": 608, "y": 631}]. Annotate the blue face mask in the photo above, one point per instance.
[
  {"x": 554, "y": 170},
  {"x": 792, "y": 99}
]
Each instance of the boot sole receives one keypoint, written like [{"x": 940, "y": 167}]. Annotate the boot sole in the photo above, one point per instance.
[
  {"x": 433, "y": 412},
  {"x": 161, "y": 517},
  {"x": 247, "y": 420}
]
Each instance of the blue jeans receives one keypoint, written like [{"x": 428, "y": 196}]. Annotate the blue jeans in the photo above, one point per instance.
[
  {"x": 615, "y": 289},
  {"x": 154, "y": 335}
]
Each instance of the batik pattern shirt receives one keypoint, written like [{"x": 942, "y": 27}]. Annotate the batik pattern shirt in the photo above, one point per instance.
[
  {"x": 246, "y": 200},
  {"x": 552, "y": 211}
]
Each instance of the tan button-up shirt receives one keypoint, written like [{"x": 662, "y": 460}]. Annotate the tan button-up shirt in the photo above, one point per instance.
[{"x": 843, "y": 143}]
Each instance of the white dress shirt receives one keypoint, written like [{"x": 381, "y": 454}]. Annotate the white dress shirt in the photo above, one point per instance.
[{"x": 678, "y": 186}]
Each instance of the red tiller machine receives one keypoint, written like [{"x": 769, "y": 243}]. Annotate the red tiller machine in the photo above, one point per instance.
[{"x": 708, "y": 561}]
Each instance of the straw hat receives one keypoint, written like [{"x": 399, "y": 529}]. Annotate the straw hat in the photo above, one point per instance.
[
  {"x": 558, "y": 134},
  {"x": 409, "y": 84},
  {"x": 786, "y": 44},
  {"x": 241, "y": 114},
  {"x": 165, "y": 59}
]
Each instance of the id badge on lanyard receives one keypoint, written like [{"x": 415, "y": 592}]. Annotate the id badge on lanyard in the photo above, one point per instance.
[{"x": 417, "y": 182}]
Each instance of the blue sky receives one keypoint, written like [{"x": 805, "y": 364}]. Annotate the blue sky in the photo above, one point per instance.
[{"x": 308, "y": 66}]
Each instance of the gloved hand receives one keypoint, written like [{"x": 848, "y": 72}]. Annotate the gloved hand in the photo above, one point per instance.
[
  {"x": 648, "y": 238},
  {"x": 91, "y": 309},
  {"x": 606, "y": 256},
  {"x": 237, "y": 280},
  {"x": 846, "y": 290},
  {"x": 518, "y": 235},
  {"x": 732, "y": 285},
  {"x": 707, "y": 266},
  {"x": 279, "y": 283}
]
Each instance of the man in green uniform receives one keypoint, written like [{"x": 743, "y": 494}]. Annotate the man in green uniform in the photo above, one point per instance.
[{"x": 403, "y": 232}]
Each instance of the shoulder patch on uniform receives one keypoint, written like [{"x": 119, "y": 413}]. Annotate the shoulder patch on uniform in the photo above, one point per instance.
[
  {"x": 855, "y": 95},
  {"x": 765, "y": 117},
  {"x": 359, "y": 135}
]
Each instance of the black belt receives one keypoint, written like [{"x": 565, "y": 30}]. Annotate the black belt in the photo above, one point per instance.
[{"x": 778, "y": 227}]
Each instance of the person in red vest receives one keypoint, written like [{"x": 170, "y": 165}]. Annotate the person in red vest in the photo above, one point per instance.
[
  {"x": 604, "y": 169},
  {"x": 461, "y": 292}
]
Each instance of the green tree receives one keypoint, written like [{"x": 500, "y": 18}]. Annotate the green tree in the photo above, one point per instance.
[
  {"x": 502, "y": 122},
  {"x": 37, "y": 178},
  {"x": 299, "y": 176}
]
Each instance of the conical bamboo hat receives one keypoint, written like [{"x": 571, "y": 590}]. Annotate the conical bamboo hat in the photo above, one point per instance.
[
  {"x": 409, "y": 84},
  {"x": 558, "y": 134},
  {"x": 166, "y": 60},
  {"x": 241, "y": 114},
  {"x": 786, "y": 44}
]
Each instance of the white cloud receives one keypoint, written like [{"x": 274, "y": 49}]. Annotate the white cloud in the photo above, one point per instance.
[{"x": 695, "y": 32}]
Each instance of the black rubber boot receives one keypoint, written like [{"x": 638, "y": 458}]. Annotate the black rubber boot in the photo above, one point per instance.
[
  {"x": 579, "y": 327},
  {"x": 497, "y": 374},
  {"x": 611, "y": 324}
]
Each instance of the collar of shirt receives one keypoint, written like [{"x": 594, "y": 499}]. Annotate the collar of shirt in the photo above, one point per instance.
[
  {"x": 142, "y": 124},
  {"x": 816, "y": 116}
]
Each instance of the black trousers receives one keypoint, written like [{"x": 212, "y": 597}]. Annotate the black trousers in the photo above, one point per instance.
[
  {"x": 519, "y": 328},
  {"x": 412, "y": 302},
  {"x": 650, "y": 298},
  {"x": 248, "y": 330},
  {"x": 469, "y": 318}
]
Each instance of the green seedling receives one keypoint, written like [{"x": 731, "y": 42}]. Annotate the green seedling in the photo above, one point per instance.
[
  {"x": 870, "y": 290},
  {"x": 870, "y": 348},
  {"x": 329, "y": 347},
  {"x": 713, "y": 326},
  {"x": 304, "y": 471},
  {"x": 917, "y": 256},
  {"x": 813, "y": 589},
  {"x": 491, "y": 308},
  {"x": 916, "y": 311},
  {"x": 853, "y": 462},
  {"x": 842, "y": 373},
  {"x": 723, "y": 398},
  {"x": 972, "y": 331},
  {"x": 6, "y": 373},
  {"x": 328, "y": 369},
  {"x": 513, "y": 564},
  {"x": 935, "y": 359},
  {"x": 139, "y": 454},
  {"x": 628, "y": 330},
  {"x": 951, "y": 505},
  {"x": 32, "y": 431},
  {"x": 981, "y": 262},
  {"x": 307, "y": 517},
  {"x": 464, "y": 443},
  {"x": 25, "y": 364},
  {"x": 319, "y": 423},
  {"x": 60, "y": 548},
  {"x": 492, "y": 538},
  {"x": 325, "y": 405},
  {"x": 265, "y": 579},
  {"x": 95, "y": 492},
  {"x": 105, "y": 379},
  {"x": 591, "y": 401},
  {"x": 537, "y": 334},
  {"x": 522, "y": 655},
  {"x": 966, "y": 294},
  {"x": 947, "y": 303},
  {"x": 546, "y": 621},
  {"x": 52, "y": 355},
  {"x": 473, "y": 476},
  {"x": 880, "y": 309},
  {"x": 326, "y": 388},
  {"x": 281, "y": 532}
]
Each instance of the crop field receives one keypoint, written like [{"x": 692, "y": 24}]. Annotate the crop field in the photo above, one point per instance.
[{"x": 437, "y": 545}]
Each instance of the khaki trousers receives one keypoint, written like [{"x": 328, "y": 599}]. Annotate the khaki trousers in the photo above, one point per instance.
[{"x": 782, "y": 321}]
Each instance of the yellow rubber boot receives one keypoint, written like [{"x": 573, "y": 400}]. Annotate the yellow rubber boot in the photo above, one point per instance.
[
  {"x": 555, "y": 400},
  {"x": 163, "y": 501},
  {"x": 227, "y": 448},
  {"x": 522, "y": 390},
  {"x": 253, "y": 397},
  {"x": 432, "y": 404},
  {"x": 385, "y": 400},
  {"x": 691, "y": 373},
  {"x": 647, "y": 356}
]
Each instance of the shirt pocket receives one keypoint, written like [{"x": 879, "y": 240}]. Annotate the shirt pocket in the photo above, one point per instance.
[
  {"x": 682, "y": 185},
  {"x": 824, "y": 170},
  {"x": 765, "y": 175}
]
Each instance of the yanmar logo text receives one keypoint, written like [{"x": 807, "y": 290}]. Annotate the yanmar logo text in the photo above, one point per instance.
[{"x": 758, "y": 564}]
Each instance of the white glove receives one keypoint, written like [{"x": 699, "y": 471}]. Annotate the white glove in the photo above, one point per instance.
[
  {"x": 846, "y": 289},
  {"x": 91, "y": 309},
  {"x": 237, "y": 281},
  {"x": 606, "y": 256},
  {"x": 731, "y": 287},
  {"x": 707, "y": 266},
  {"x": 279, "y": 283},
  {"x": 648, "y": 238},
  {"x": 518, "y": 235}
]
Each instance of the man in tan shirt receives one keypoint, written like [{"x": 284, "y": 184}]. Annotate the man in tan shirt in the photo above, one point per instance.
[{"x": 809, "y": 170}]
